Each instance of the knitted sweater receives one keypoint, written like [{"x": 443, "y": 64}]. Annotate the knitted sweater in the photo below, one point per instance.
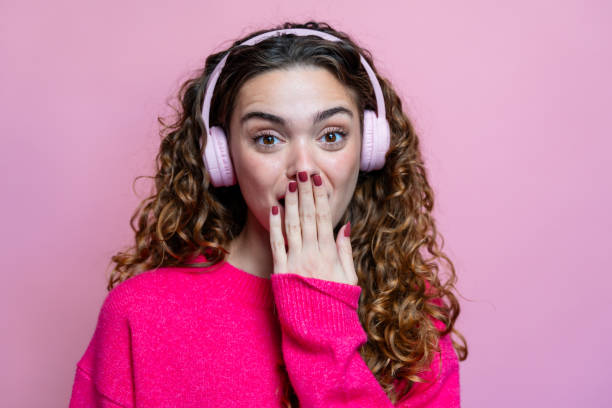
[{"x": 217, "y": 336}]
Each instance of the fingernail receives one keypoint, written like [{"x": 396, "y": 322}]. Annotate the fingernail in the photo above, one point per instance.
[
  {"x": 303, "y": 176},
  {"x": 292, "y": 186},
  {"x": 317, "y": 180},
  {"x": 347, "y": 230},
  {"x": 274, "y": 210}
]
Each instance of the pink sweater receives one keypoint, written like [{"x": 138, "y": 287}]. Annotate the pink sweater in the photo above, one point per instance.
[{"x": 170, "y": 337}]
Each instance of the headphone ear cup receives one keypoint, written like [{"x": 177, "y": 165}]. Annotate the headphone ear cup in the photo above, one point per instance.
[
  {"x": 375, "y": 142},
  {"x": 217, "y": 159}
]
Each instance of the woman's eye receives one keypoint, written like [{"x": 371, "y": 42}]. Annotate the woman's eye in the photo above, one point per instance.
[
  {"x": 334, "y": 139},
  {"x": 267, "y": 139}
]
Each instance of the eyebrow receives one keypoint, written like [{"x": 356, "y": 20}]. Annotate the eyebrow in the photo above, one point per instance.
[{"x": 318, "y": 117}]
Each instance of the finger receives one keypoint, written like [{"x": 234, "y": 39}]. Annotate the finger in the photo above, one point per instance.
[
  {"x": 325, "y": 230},
  {"x": 277, "y": 242},
  {"x": 307, "y": 211},
  {"x": 345, "y": 254},
  {"x": 292, "y": 218}
]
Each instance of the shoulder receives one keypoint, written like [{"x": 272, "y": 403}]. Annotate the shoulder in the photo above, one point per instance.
[
  {"x": 135, "y": 285},
  {"x": 121, "y": 299},
  {"x": 147, "y": 287},
  {"x": 156, "y": 288}
]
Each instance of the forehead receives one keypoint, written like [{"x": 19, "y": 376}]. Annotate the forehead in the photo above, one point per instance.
[{"x": 294, "y": 89}]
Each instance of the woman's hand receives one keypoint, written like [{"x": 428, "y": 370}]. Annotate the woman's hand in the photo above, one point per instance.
[{"x": 313, "y": 253}]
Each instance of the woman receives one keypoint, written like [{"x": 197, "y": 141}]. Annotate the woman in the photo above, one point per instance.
[{"x": 236, "y": 292}]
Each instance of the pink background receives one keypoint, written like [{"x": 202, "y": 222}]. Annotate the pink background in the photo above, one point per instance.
[{"x": 512, "y": 104}]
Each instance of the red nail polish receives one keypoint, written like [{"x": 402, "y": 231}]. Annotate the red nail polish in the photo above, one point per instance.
[
  {"x": 317, "y": 180},
  {"x": 292, "y": 186},
  {"x": 274, "y": 210},
  {"x": 347, "y": 230},
  {"x": 303, "y": 176}
]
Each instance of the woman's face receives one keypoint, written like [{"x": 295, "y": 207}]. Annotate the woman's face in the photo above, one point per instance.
[{"x": 287, "y": 121}]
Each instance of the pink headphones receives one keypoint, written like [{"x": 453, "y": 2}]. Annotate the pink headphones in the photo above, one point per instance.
[{"x": 376, "y": 132}]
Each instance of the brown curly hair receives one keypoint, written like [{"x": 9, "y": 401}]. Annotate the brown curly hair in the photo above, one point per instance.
[{"x": 390, "y": 212}]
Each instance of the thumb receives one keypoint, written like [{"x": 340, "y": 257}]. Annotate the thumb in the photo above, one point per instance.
[{"x": 345, "y": 253}]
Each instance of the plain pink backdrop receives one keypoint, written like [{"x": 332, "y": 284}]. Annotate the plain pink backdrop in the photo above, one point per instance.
[{"x": 512, "y": 105}]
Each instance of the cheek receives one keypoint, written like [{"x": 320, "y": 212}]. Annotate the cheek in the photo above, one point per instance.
[
  {"x": 252, "y": 164},
  {"x": 342, "y": 167},
  {"x": 258, "y": 174},
  {"x": 256, "y": 177},
  {"x": 253, "y": 184}
]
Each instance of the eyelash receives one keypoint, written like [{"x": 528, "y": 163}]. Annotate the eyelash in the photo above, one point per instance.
[{"x": 327, "y": 132}]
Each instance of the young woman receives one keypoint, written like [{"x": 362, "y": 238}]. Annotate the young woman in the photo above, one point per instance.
[{"x": 281, "y": 260}]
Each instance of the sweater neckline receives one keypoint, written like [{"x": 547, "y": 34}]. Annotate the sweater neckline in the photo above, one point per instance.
[{"x": 239, "y": 284}]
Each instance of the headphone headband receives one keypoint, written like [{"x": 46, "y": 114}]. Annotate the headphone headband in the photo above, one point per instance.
[{"x": 380, "y": 102}]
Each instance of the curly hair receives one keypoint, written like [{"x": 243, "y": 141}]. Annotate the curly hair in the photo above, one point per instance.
[{"x": 390, "y": 212}]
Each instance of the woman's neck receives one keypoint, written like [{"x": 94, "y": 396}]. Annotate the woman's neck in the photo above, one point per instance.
[{"x": 250, "y": 250}]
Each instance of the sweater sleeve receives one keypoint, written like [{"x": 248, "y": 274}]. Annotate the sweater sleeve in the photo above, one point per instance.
[
  {"x": 104, "y": 373},
  {"x": 321, "y": 338}
]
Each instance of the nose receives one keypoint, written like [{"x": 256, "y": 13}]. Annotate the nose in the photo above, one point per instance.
[{"x": 302, "y": 157}]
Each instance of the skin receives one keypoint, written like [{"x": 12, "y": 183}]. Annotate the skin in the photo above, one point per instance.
[{"x": 295, "y": 95}]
